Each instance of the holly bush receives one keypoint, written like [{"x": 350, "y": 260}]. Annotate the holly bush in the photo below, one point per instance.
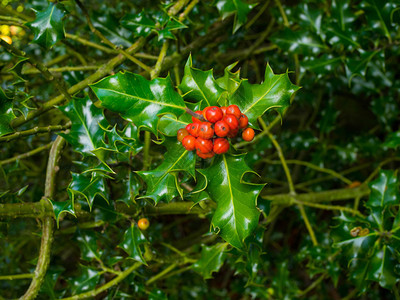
[{"x": 98, "y": 198}]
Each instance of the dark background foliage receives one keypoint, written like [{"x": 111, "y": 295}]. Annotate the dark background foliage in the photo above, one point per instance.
[{"x": 339, "y": 136}]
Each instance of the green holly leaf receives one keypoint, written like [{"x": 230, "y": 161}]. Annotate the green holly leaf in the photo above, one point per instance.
[
  {"x": 6, "y": 113},
  {"x": 236, "y": 215},
  {"x": 162, "y": 182},
  {"x": 132, "y": 187},
  {"x": 170, "y": 124},
  {"x": 62, "y": 207},
  {"x": 358, "y": 65},
  {"x": 200, "y": 85},
  {"x": 384, "y": 190},
  {"x": 322, "y": 65},
  {"x": 139, "y": 100},
  {"x": 166, "y": 32},
  {"x": 300, "y": 42},
  {"x": 88, "y": 128},
  {"x": 211, "y": 260},
  {"x": 140, "y": 24},
  {"x": 237, "y": 7},
  {"x": 87, "y": 242},
  {"x": 86, "y": 281},
  {"x": 48, "y": 26},
  {"x": 382, "y": 267},
  {"x": 255, "y": 99},
  {"x": 133, "y": 240},
  {"x": 393, "y": 140},
  {"x": 229, "y": 82},
  {"x": 88, "y": 187},
  {"x": 342, "y": 14}
]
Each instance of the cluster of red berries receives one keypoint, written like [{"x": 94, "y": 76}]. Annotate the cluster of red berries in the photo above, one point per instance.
[{"x": 209, "y": 138}]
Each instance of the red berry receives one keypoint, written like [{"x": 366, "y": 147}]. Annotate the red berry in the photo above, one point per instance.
[
  {"x": 214, "y": 114},
  {"x": 194, "y": 129},
  {"x": 233, "y": 110},
  {"x": 189, "y": 142},
  {"x": 248, "y": 134},
  {"x": 204, "y": 155},
  {"x": 205, "y": 111},
  {"x": 221, "y": 129},
  {"x": 223, "y": 108},
  {"x": 233, "y": 133},
  {"x": 221, "y": 146},
  {"x": 203, "y": 145},
  {"x": 206, "y": 130},
  {"x": 181, "y": 134},
  {"x": 231, "y": 121},
  {"x": 243, "y": 121},
  {"x": 195, "y": 120},
  {"x": 188, "y": 127}
]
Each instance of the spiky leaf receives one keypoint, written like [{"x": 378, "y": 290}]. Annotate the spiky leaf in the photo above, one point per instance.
[
  {"x": 200, "y": 85},
  {"x": 133, "y": 239},
  {"x": 384, "y": 190},
  {"x": 63, "y": 207},
  {"x": 6, "y": 113},
  {"x": 162, "y": 182},
  {"x": 238, "y": 7},
  {"x": 139, "y": 100},
  {"x": 48, "y": 26},
  {"x": 255, "y": 99},
  {"x": 236, "y": 215},
  {"x": 211, "y": 260}
]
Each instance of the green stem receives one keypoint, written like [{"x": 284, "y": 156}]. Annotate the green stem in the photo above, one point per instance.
[
  {"x": 161, "y": 274},
  {"x": 33, "y": 71},
  {"x": 188, "y": 9},
  {"x": 314, "y": 167},
  {"x": 17, "y": 276},
  {"x": 312, "y": 286},
  {"x": 308, "y": 224},
  {"x": 35, "y": 130},
  {"x": 106, "y": 286},
  {"x": 146, "y": 150},
  {"x": 47, "y": 222},
  {"x": 331, "y": 207},
  {"x": 25, "y": 155}
]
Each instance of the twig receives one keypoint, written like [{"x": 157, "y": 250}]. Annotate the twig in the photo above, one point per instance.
[
  {"x": 17, "y": 276},
  {"x": 35, "y": 130},
  {"x": 25, "y": 155},
  {"x": 48, "y": 222}
]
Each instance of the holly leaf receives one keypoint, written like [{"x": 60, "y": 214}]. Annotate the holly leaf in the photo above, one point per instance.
[
  {"x": 357, "y": 66},
  {"x": 87, "y": 130},
  {"x": 255, "y": 99},
  {"x": 132, "y": 186},
  {"x": 237, "y": 7},
  {"x": 384, "y": 190},
  {"x": 62, "y": 207},
  {"x": 87, "y": 242},
  {"x": 162, "y": 182},
  {"x": 48, "y": 26},
  {"x": 88, "y": 187},
  {"x": 140, "y": 24},
  {"x": 133, "y": 239},
  {"x": 382, "y": 267},
  {"x": 236, "y": 215},
  {"x": 229, "y": 82},
  {"x": 200, "y": 85},
  {"x": 211, "y": 260},
  {"x": 86, "y": 281},
  {"x": 6, "y": 113},
  {"x": 139, "y": 100},
  {"x": 393, "y": 140}
]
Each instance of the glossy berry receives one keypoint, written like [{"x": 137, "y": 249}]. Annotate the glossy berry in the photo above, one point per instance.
[
  {"x": 243, "y": 121},
  {"x": 231, "y": 121},
  {"x": 194, "y": 129},
  {"x": 188, "y": 127},
  {"x": 223, "y": 108},
  {"x": 221, "y": 146},
  {"x": 206, "y": 130},
  {"x": 204, "y": 146},
  {"x": 181, "y": 134},
  {"x": 221, "y": 129},
  {"x": 205, "y": 155},
  {"x": 143, "y": 224},
  {"x": 189, "y": 142},
  {"x": 205, "y": 112},
  {"x": 214, "y": 114},
  {"x": 195, "y": 120},
  {"x": 248, "y": 134},
  {"x": 233, "y": 110}
]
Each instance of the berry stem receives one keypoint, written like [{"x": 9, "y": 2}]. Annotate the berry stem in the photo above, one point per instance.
[{"x": 197, "y": 116}]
